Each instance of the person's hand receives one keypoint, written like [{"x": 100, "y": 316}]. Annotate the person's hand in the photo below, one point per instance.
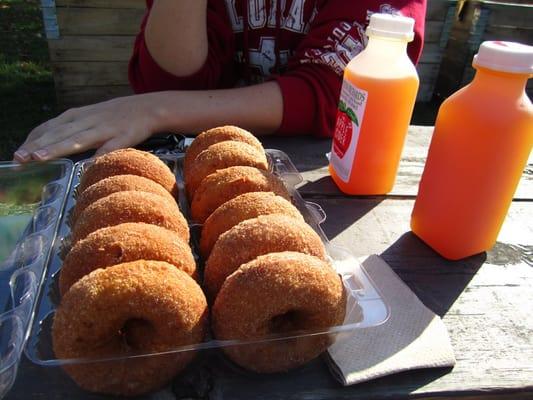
[{"x": 107, "y": 126}]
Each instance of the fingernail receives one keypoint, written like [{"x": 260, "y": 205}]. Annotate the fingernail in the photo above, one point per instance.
[
  {"x": 41, "y": 154},
  {"x": 22, "y": 154}
]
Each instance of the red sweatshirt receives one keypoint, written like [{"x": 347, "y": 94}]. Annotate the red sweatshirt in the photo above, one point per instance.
[{"x": 303, "y": 44}]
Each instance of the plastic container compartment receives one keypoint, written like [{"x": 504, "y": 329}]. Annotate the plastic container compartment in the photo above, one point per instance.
[
  {"x": 365, "y": 305},
  {"x": 31, "y": 201}
]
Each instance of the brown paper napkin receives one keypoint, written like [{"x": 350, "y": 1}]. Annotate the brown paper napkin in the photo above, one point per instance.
[{"x": 413, "y": 337}]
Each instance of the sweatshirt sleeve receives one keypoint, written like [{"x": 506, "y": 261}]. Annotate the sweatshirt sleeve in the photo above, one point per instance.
[
  {"x": 145, "y": 75},
  {"x": 311, "y": 85}
]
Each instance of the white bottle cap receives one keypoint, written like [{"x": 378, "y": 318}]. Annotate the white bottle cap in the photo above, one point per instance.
[
  {"x": 393, "y": 26},
  {"x": 505, "y": 57}
]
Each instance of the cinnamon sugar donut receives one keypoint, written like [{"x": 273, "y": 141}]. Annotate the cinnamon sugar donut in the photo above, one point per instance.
[
  {"x": 241, "y": 208},
  {"x": 216, "y": 135},
  {"x": 254, "y": 237},
  {"x": 124, "y": 243},
  {"x": 284, "y": 294},
  {"x": 113, "y": 184},
  {"x": 142, "y": 307},
  {"x": 131, "y": 162},
  {"x": 219, "y": 156},
  {"x": 130, "y": 206},
  {"x": 225, "y": 184}
]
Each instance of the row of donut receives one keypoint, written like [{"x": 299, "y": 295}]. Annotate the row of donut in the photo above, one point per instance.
[
  {"x": 128, "y": 283},
  {"x": 266, "y": 271},
  {"x": 126, "y": 187},
  {"x": 209, "y": 177}
]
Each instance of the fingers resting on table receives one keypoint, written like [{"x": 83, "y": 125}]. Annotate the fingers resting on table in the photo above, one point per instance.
[{"x": 104, "y": 126}]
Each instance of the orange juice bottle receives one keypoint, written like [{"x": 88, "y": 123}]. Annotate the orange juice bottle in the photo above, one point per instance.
[
  {"x": 482, "y": 139},
  {"x": 377, "y": 99}
]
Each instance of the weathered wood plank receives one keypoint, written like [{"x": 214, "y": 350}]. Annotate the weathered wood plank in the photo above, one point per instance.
[
  {"x": 427, "y": 70},
  {"x": 438, "y": 9},
  {"x": 425, "y": 91},
  {"x": 432, "y": 53},
  {"x": 93, "y": 62},
  {"x": 99, "y": 73},
  {"x": 381, "y": 226},
  {"x": 118, "y": 48},
  {"x": 76, "y": 19},
  {"x": 509, "y": 14},
  {"x": 480, "y": 20},
  {"x": 433, "y": 31},
  {"x": 318, "y": 182},
  {"x": 79, "y": 96},
  {"x": 95, "y": 48},
  {"x": 513, "y": 34},
  {"x": 98, "y": 21},
  {"x": 136, "y": 4},
  {"x": 309, "y": 156},
  {"x": 107, "y": 21},
  {"x": 91, "y": 73}
]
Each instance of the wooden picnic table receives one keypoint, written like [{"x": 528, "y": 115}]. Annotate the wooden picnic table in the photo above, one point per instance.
[{"x": 485, "y": 300}]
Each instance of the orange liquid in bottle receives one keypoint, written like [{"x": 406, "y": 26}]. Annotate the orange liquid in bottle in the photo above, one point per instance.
[
  {"x": 482, "y": 140},
  {"x": 382, "y": 132}
]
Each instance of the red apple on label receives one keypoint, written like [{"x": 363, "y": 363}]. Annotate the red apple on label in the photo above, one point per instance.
[{"x": 343, "y": 134}]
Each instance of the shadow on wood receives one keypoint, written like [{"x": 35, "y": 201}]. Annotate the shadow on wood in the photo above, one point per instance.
[
  {"x": 304, "y": 153},
  {"x": 341, "y": 214},
  {"x": 312, "y": 381},
  {"x": 439, "y": 282}
]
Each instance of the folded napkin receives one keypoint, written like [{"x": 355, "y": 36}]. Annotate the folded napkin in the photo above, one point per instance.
[{"x": 413, "y": 337}]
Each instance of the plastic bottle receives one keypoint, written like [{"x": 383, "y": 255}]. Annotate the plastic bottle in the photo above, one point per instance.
[
  {"x": 377, "y": 99},
  {"x": 482, "y": 139}
]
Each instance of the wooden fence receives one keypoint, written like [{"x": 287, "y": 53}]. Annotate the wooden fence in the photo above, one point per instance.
[
  {"x": 475, "y": 22},
  {"x": 90, "y": 42}
]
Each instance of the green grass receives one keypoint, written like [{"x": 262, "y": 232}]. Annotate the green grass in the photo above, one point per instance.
[{"x": 26, "y": 85}]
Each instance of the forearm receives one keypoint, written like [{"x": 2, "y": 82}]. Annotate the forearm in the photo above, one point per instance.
[
  {"x": 127, "y": 121},
  {"x": 258, "y": 108},
  {"x": 176, "y": 35}
]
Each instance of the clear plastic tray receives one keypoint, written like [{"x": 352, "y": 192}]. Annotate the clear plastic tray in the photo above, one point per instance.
[
  {"x": 31, "y": 201},
  {"x": 365, "y": 306}
]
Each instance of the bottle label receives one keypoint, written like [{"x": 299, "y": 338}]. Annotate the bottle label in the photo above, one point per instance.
[{"x": 350, "y": 114}]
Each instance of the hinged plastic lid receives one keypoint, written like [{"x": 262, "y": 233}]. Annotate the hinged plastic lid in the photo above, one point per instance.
[
  {"x": 505, "y": 57},
  {"x": 32, "y": 197},
  {"x": 392, "y": 26}
]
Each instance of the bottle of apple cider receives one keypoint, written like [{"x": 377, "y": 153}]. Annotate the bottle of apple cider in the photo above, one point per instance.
[
  {"x": 376, "y": 102},
  {"x": 482, "y": 139}
]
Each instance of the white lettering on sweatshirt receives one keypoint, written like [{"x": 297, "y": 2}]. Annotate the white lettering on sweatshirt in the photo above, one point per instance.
[{"x": 259, "y": 16}]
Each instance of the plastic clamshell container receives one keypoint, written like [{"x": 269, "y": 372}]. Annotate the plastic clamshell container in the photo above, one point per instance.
[
  {"x": 32, "y": 198},
  {"x": 365, "y": 305}
]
